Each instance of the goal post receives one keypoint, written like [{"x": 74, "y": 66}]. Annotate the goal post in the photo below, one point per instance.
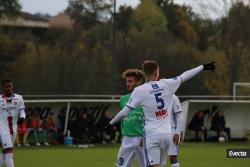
[{"x": 235, "y": 84}]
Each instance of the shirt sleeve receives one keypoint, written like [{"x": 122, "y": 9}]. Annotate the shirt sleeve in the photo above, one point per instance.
[
  {"x": 176, "y": 105},
  {"x": 22, "y": 114},
  {"x": 173, "y": 83},
  {"x": 21, "y": 108},
  {"x": 135, "y": 99},
  {"x": 122, "y": 114},
  {"x": 191, "y": 73},
  {"x": 179, "y": 122},
  {"x": 120, "y": 103}
]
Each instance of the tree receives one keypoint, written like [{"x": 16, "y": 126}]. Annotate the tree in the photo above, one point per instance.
[
  {"x": 180, "y": 20},
  {"x": 148, "y": 17},
  {"x": 217, "y": 82},
  {"x": 144, "y": 35},
  {"x": 233, "y": 38},
  {"x": 9, "y": 7},
  {"x": 10, "y": 50},
  {"x": 87, "y": 13},
  {"x": 124, "y": 18}
]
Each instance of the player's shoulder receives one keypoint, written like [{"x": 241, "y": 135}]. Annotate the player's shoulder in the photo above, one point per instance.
[
  {"x": 123, "y": 97},
  {"x": 141, "y": 87},
  {"x": 175, "y": 97},
  {"x": 18, "y": 96},
  {"x": 138, "y": 91},
  {"x": 176, "y": 100},
  {"x": 168, "y": 79}
]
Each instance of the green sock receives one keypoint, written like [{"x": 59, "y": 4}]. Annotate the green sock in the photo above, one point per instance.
[
  {"x": 35, "y": 136},
  {"x": 44, "y": 136}
]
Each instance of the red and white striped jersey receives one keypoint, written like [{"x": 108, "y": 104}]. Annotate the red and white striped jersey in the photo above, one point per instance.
[{"x": 11, "y": 108}]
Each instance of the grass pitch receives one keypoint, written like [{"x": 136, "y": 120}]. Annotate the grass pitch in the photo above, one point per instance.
[{"x": 190, "y": 155}]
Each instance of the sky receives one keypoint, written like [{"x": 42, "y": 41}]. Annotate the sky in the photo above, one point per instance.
[
  {"x": 54, "y": 7},
  {"x": 202, "y": 7}
]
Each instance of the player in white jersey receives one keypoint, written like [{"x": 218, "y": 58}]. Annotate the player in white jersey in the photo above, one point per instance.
[
  {"x": 11, "y": 113},
  {"x": 177, "y": 115},
  {"x": 156, "y": 97}
]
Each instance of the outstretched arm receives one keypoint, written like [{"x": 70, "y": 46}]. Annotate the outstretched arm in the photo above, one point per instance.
[
  {"x": 191, "y": 73},
  {"x": 174, "y": 83},
  {"x": 122, "y": 114}
]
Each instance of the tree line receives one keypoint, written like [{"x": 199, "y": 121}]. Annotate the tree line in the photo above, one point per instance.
[{"x": 79, "y": 61}]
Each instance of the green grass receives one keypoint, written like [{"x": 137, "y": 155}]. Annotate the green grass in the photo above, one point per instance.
[{"x": 191, "y": 155}]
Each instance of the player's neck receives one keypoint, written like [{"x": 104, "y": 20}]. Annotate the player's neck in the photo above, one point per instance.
[
  {"x": 7, "y": 95},
  {"x": 147, "y": 79},
  {"x": 129, "y": 92}
]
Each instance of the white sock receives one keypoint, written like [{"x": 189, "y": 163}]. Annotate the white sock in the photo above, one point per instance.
[
  {"x": 9, "y": 160},
  {"x": 175, "y": 165},
  {"x": 2, "y": 160}
]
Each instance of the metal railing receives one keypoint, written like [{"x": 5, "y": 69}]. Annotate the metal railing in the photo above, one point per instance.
[{"x": 116, "y": 97}]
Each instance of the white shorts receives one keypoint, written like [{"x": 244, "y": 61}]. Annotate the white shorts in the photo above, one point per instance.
[
  {"x": 156, "y": 149},
  {"x": 173, "y": 148},
  {"x": 7, "y": 140},
  {"x": 130, "y": 148}
]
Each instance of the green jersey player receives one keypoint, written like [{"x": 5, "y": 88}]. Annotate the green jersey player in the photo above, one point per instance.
[{"x": 132, "y": 125}]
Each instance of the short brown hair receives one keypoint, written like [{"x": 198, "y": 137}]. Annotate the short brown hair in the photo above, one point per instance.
[
  {"x": 149, "y": 67},
  {"x": 137, "y": 74},
  {"x": 6, "y": 81}
]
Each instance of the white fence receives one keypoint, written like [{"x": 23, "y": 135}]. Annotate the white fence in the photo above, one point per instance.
[
  {"x": 71, "y": 107},
  {"x": 237, "y": 112}
]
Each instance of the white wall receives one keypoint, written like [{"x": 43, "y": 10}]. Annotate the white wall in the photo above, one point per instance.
[{"x": 237, "y": 113}]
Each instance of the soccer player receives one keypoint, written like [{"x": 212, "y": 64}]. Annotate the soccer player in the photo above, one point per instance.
[
  {"x": 22, "y": 131},
  {"x": 177, "y": 115},
  {"x": 197, "y": 125},
  {"x": 155, "y": 97},
  {"x": 132, "y": 125},
  {"x": 11, "y": 113},
  {"x": 218, "y": 124}
]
